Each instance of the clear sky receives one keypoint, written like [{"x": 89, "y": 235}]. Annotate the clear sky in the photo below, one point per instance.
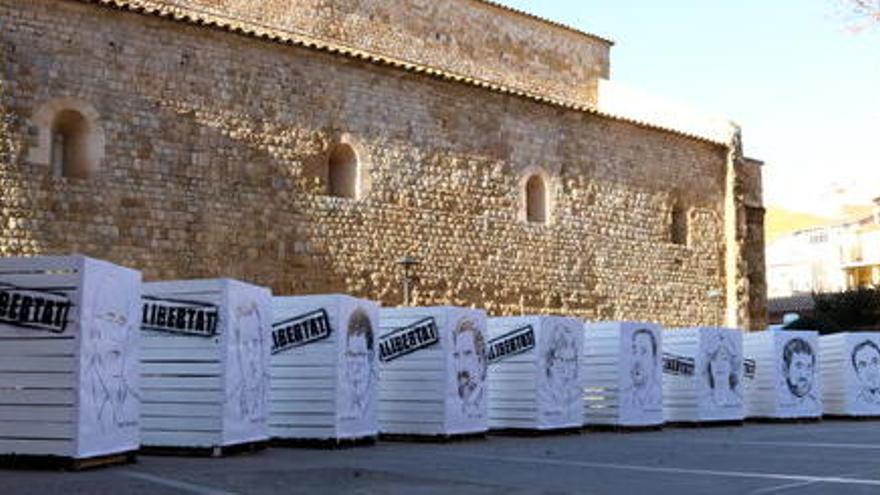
[{"x": 803, "y": 85}]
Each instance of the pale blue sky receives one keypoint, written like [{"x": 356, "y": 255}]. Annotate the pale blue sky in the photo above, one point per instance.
[{"x": 803, "y": 86}]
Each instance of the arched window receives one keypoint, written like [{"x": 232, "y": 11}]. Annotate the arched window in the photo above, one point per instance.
[
  {"x": 678, "y": 225},
  {"x": 70, "y": 153},
  {"x": 342, "y": 172},
  {"x": 536, "y": 199},
  {"x": 70, "y": 138}
]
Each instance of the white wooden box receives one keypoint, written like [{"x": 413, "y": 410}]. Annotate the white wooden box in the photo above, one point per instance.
[
  {"x": 534, "y": 377},
  {"x": 850, "y": 368},
  {"x": 325, "y": 368},
  {"x": 622, "y": 373},
  {"x": 703, "y": 375},
  {"x": 433, "y": 367},
  {"x": 68, "y": 357},
  {"x": 781, "y": 374},
  {"x": 205, "y": 363}
]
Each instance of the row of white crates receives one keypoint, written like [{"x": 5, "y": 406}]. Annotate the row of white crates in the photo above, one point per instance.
[{"x": 94, "y": 362}]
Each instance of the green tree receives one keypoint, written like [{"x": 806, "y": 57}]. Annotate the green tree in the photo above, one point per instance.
[{"x": 848, "y": 311}]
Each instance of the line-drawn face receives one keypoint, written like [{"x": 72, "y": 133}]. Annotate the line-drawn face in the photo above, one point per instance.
[
  {"x": 358, "y": 362},
  {"x": 250, "y": 344},
  {"x": 562, "y": 358},
  {"x": 359, "y": 356},
  {"x": 800, "y": 374},
  {"x": 110, "y": 326},
  {"x": 643, "y": 358},
  {"x": 469, "y": 354},
  {"x": 721, "y": 365},
  {"x": 110, "y": 332},
  {"x": 799, "y": 363},
  {"x": 866, "y": 361}
]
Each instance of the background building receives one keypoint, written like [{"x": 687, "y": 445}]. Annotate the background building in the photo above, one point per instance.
[{"x": 835, "y": 256}]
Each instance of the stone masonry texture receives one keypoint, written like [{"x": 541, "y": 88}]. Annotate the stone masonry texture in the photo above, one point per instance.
[
  {"x": 216, "y": 146},
  {"x": 466, "y": 37}
]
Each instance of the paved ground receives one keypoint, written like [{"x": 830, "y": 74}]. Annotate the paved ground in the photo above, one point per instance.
[{"x": 823, "y": 458}]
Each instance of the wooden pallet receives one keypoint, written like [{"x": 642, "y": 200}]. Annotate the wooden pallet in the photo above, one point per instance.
[
  {"x": 323, "y": 443},
  {"x": 845, "y": 417},
  {"x": 60, "y": 463},
  {"x": 802, "y": 420},
  {"x": 705, "y": 424},
  {"x": 404, "y": 437},
  {"x": 215, "y": 451},
  {"x": 536, "y": 433},
  {"x": 608, "y": 428}
]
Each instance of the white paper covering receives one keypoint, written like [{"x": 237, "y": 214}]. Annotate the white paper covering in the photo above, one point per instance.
[
  {"x": 68, "y": 381},
  {"x": 535, "y": 386},
  {"x": 325, "y": 383},
  {"x": 850, "y": 367},
  {"x": 712, "y": 390},
  {"x": 782, "y": 374},
  {"x": 438, "y": 389},
  {"x": 623, "y": 374},
  {"x": 206, "y": 387}
]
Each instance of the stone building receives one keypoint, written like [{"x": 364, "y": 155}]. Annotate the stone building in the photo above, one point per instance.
[{"x": 309, "y": 144}]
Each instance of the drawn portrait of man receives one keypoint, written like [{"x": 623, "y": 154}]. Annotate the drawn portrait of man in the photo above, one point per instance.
[
  {"x": 471, "y": 365},
  {"x": 644, "y": 392},
  {"x": 799, "y": 371},
  {"x": 866, "y": 364},
  {"x": 560, "y": 387},
  {"x": 722, "y": 362},
  {"x": 359, "y": 369},
  {"x": 109, "y": 396},
  {"x": 251, "y": 392}
]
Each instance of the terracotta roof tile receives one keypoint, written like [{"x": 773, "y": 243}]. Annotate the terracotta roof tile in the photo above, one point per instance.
[
  {"x": 545, "y": 20},
  {"x": 252, "y": 29}
]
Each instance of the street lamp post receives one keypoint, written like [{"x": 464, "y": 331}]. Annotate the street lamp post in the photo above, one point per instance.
[{"x": 408, "y": 263}]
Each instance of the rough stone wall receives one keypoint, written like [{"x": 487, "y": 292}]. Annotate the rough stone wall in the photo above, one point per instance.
[
  {"x": 466, "y": 37},
  {"x": 7, "y": 143},
  {"x": 753, "y": 203},
  {"x": 215, "y": 145}
]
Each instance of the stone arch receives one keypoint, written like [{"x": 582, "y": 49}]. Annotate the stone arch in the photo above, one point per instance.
[
  {"x": 536, "y": 199},
  {"x": 347, "y": 174},
  {"x": 70, "y": 138},
  {"x": 679, "y": 223},
  {"x": 536, "y": 196},
  {"x": 342, "y": 171}
]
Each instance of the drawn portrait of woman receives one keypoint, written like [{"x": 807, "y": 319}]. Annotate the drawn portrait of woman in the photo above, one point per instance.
[
  {"x": 722, "y": 372},
  {"x": 560, "y": 388}
]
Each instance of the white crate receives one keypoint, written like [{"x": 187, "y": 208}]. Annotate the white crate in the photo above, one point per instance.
[
  {"x": 850, "y": 367},
  {"x": 325, "y": 368},
  {"x": 433, "y": 367},
  {"x": 622, "y": 373},
  {"x": 703, "y": 375},
  {"x": 781, "y": 374},
  {"x": 69, "y": 362},
  {"x": 205, "y": 363},
  {"x": 534, "y": 377}
]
